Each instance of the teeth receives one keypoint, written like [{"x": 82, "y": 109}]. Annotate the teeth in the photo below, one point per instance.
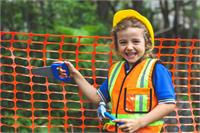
[{"x": 130, "y": 54}]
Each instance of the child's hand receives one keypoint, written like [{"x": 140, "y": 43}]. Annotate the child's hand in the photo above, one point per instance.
[
  {"x": 62, "y": 72},
  {"x": 72, "y": 69},
  {"x": 130, "y": 125}
]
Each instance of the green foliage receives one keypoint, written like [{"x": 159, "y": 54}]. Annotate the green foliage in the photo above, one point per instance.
[
  {"x": 52, "y": 16},
  {"x": 62, "y": 17}
]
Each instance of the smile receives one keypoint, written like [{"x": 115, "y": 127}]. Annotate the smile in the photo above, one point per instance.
[{"x": 131, "y": 54}]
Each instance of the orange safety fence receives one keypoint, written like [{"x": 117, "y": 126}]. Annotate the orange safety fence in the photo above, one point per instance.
[{"x": 31, "y": 103}]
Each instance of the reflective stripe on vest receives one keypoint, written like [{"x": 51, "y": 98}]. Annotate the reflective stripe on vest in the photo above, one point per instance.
[
  {"x": 143, "y": 78},
  {"x": 135, "y": 116},
  {"x": 114, "y": 74},
  {"x": 142, "y": 100}
]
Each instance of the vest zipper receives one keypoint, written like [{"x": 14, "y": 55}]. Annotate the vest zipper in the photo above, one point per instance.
[
  {"x": 118, "y": 102},
  {"x": 116, "y": 129}
]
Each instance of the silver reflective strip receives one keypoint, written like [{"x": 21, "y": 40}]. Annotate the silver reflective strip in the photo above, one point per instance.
[{"x": 140, "y": 103}]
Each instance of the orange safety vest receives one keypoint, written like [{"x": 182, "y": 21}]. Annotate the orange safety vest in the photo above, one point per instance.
[{"x": 132, "y": 95}]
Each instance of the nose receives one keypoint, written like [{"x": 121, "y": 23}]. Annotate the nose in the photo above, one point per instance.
[{"x": 129, "y": 46}]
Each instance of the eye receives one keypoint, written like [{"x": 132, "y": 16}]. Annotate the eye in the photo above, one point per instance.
[
  {"x": 136, "y": 41},
  {"x": 122, "y": 42}
]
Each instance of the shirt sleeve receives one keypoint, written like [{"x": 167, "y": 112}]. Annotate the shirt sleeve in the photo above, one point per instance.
[
  {"x": 103, "y": 92},
  {"x": 163, "y": 85}
]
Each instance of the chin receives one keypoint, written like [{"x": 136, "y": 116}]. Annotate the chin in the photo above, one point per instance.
[{"x": 133, "y": 60}]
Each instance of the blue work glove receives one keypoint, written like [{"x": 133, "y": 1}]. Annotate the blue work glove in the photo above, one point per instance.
[{"x": 101, "y": 110}]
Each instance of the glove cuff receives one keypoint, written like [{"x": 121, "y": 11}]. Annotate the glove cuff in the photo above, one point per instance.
[{"x": 102, "y": 103}]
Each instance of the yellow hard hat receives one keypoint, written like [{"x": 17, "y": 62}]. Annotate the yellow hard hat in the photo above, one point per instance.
[{"x": 120, "y": 15}]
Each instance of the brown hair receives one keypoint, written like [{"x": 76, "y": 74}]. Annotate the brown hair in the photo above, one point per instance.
[{"x": 133, "y": 22}]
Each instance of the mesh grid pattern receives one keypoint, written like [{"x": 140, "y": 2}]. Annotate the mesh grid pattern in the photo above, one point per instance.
[{"x": 31, "y": 103}]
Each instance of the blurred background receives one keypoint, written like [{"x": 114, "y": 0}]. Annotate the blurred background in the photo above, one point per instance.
[
  {"x": 35, "y": 104},
  {"x": 170, "y": 18}
]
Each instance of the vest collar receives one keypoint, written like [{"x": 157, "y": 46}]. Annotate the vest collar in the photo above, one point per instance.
[{"x": 128, "y": 67}]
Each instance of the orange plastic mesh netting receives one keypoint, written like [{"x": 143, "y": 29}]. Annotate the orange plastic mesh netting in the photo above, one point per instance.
[{"x": 32, "y": 103}]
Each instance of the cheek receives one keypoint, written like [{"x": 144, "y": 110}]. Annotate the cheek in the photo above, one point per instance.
[
  {"x": 142, "y": 49},
  {"x": 120, "y": 48}
]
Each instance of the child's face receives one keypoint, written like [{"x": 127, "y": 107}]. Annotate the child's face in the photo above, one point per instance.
[{"x": 131, "y": 44}]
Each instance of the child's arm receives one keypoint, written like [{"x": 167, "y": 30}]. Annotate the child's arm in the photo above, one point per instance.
[
  {"x": 160, "y": 111},
  {"x": 131, "y": 125},
  {"x": 88, "y": 90}
]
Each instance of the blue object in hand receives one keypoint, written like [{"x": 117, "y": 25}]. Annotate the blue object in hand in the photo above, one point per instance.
[
  {"x": 111, "y": 117},
  {"x": 56, "y": 72}
]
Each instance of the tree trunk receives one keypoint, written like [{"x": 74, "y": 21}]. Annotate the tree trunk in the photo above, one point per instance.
[
  {"x": 165, "y": 12},
  {"x": 176, "y": 26},
  {"x": 30, "y": 15},
  {"x": 103, "y": 10},
  {"x": 42, "y": 10},
  {"x": 192, "y": 19},
  {"x": 138, "y": 6}
]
